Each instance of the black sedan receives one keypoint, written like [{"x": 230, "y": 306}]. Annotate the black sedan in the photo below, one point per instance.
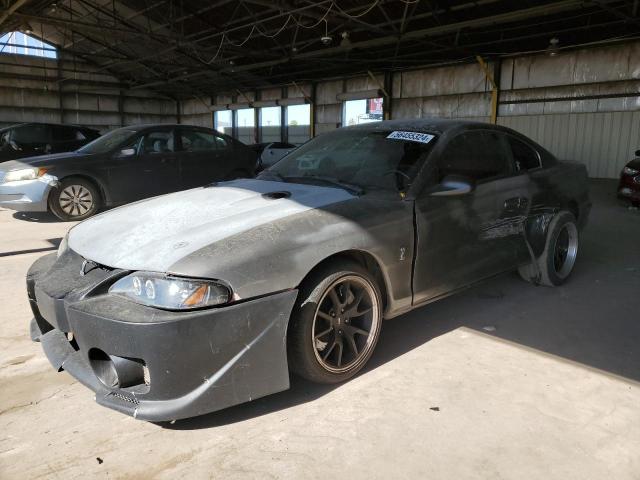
[
  {"x": 33, "y": 139},
  {"x": 195, "y": 301},
  {"x": 123, "y": 166}
]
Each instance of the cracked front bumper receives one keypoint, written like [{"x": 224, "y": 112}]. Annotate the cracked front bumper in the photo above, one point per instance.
[{"x": 197, "y": 362}]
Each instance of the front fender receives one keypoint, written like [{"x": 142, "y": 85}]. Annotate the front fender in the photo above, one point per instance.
[{"x": 279, "y": 255}]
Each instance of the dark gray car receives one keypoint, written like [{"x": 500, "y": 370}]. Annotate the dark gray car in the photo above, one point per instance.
[
  {"x": 199, "y": 300},
  {"x": 123, "y": 166}
]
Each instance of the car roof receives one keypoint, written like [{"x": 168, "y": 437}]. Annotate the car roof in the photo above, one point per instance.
[
  {"x": 25, "y": 124},
  {"x": 436, "y": 125}
]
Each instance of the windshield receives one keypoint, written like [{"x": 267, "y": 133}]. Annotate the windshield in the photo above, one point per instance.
[
  {"x": 360, "y": 158},
  {"x": 108, "y": 141}
]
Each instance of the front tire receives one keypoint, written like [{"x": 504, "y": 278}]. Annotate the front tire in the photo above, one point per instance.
[
  {"x": 558, "y": 258},
  {"x": 335, "y": 324},
  {"x": 74, "y": 199}
]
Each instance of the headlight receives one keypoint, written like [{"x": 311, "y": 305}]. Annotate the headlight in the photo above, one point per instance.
[
  {"x": 171, "y": 293},
  {"x": 64, "y": 245},
  {"x": 630, "y": 171},
  {"x": 24, "y": 174}
]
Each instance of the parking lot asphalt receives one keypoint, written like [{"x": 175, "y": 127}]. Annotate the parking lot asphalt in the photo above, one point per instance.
[{"x": 504, "y": 380}]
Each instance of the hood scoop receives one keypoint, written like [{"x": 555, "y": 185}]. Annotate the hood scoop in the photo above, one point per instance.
[{"x": 276, "y": 195}]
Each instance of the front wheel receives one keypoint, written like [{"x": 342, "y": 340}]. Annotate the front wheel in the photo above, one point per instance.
[
  {"x": 74, "y": 199},
  {"x": 335, "y": 324},
  {"x": 556, "y": 262}
]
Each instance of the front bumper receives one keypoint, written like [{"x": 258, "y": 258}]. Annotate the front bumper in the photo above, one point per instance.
[
  {"x": 197, "y": 362},
  {"x": 27, "y": 195}
]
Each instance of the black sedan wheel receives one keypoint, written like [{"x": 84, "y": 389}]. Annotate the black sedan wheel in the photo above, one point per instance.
[
  {"x": 556, "y": 262},
  {"x": 336, "y": 323},
  {"x": 74, "y": 199}
]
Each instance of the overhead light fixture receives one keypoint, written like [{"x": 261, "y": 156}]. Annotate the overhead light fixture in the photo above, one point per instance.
[
  {"x": 326, "y": 39},
  {"x": 346, "y": 41},
  {"x": 553, "y": 49}
]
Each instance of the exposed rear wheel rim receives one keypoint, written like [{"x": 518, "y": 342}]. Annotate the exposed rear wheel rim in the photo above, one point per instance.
[
  {"x": 345, "y": 324},
  {"x": 565, "y": 250},
  {"x": 75, "y": 200}
]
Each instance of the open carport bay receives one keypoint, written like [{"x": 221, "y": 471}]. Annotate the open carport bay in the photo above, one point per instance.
[{"x": 504, "y": 380}]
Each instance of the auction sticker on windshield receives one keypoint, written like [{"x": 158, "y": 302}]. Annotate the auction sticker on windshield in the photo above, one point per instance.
[{"x": 411, "y": 136}]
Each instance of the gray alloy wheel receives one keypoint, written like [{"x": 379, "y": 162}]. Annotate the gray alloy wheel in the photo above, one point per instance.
[
  {"x": 345, "y": 318},
  {"x": 335, "y": 324},
  {"x": 558, "y": 258},
  {"x": 75, "y": 199}
]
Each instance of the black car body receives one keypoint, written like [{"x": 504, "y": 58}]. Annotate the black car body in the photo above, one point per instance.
[
  {"x": 124, "y": 165},
  {"x": 295, "y": 270},
  {"x": 32, "y": 139}
]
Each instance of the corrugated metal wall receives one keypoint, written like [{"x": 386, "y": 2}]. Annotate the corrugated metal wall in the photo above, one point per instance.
[
  {"x": 31, "y": 91},
  {"x": 604, "y": 142}
]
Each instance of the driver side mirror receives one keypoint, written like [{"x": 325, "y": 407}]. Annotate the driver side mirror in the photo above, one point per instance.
[
  {"x": 453, "y": 185},
  {"x": 637, "y": 153},
  {"x": 127, "y": 152}
]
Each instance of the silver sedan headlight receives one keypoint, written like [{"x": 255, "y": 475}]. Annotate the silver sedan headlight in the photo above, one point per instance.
[
  {"x": 23, "y": 174},
  {"x": 171, "y": 293}
]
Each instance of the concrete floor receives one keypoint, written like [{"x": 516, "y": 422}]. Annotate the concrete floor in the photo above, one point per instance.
[{"x": 505, "y": 380}]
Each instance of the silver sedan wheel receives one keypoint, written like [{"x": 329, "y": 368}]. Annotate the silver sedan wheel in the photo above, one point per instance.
[{"x": 75, "y": 200}]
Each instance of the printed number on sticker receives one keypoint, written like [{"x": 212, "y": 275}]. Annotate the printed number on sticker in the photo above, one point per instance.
[{"x": 411, "y": 136}]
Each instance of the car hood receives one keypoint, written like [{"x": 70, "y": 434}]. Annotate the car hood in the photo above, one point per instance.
[
  {"x": 42, "y": 160},
  {"x": 156, "y": 233}
]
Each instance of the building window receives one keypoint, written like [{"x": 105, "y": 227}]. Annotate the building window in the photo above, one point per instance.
[
  {"x": 356, "y": 112},
  {"x": 223, "y": 121},
  {"x": 298, "y": 123},
  {"x": 270, "y": 124},
  {"x": 22, "y": 44},
  {"x": 246, "y": 125}
]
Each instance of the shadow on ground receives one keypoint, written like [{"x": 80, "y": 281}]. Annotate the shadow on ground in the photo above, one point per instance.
[
  {"x": 54, "y": 242},
  {"x": 592, "y": 320},
  {"x": 37, "y": 217}
]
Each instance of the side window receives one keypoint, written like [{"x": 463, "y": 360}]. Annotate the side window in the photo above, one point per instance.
[
  {"x": 63, "y": 134},
  {"x": 31, "y": 134},
  {"x": 5, "y": 138},
  {"x": 221, "y": 142},
  {"x": 478, "y": 155},
  {"x": 158, "y": 142},
  {"x": 79, "y": 135},
  {"x": 524, "y": 157},
  {"x": 198, "y": 141}
]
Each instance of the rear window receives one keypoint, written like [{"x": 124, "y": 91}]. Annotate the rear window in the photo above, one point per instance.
[{"x": 524, "y": 157}]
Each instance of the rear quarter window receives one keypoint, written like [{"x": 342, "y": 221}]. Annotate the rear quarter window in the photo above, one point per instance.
[{"x": 524, "y": 156}]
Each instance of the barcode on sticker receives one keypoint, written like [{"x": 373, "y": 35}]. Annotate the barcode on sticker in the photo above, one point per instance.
[{"x": 411, "y": 136}]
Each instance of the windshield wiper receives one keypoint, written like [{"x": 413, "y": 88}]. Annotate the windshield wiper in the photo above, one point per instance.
[{"x": 349, "y": 187}]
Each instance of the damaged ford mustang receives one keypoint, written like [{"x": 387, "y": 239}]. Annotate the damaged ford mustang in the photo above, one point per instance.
[{"x": 192, "y": 302}]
